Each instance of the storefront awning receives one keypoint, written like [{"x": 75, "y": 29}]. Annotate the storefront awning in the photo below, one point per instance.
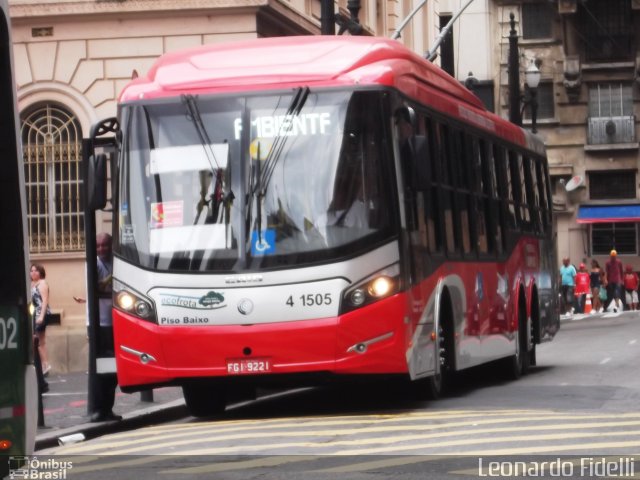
[{"x": 608, "y": 213}]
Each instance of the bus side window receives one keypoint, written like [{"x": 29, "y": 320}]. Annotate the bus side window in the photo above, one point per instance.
[
  {"x": 463, "y": 164},
  {"x": 533, "y": 196},
  {"x": 432, "y": 209},
  {"x": 505, "y": 183},
  {"x": 523, "y": 198},
  {"x": 481, "y": 203},
  {"x": 446, "y": 190},
  {"x": 505, "y": 214},
  {"x": 545, "y": 211}
]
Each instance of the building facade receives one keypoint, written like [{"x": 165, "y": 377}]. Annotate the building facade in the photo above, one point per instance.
[
  {"x": 72, "y": 57},
  {"x": 587, "y": 52}
]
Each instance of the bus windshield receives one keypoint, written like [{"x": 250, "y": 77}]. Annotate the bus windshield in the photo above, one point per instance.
[{"x": 229, "y": 183}]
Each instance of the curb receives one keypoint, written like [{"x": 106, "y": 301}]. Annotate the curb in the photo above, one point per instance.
[
  {"x": 586, "y": 316},
  {"x": 174, "y": 410}
]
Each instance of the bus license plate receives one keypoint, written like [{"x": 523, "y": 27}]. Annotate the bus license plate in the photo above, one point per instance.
[{"x": 246, "y": 366}]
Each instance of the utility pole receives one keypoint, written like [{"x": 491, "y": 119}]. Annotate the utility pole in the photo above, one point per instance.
[{"x": 513, "y": 69}]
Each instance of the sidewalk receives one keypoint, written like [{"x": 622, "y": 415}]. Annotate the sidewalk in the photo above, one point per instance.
[
  {"x": 582, "y": 316},
  {"x": 65, "y": 409}
]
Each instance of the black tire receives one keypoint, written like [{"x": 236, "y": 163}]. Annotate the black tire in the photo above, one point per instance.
[
  {"x": 535, "y": 326},
  {"x": 204, "y": 400},
  {"x": 429, "y": 388},
  {"x": 533, "y": 361},
  {"x": 518, "y": 363}
]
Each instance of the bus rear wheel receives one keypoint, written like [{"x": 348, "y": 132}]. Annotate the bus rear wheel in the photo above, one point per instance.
[
  {"x": 518, "y": 363},
  {"x": 204, "y": 400}
]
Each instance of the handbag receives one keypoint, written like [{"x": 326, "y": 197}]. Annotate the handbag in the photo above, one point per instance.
[{"x": 603, "y": 294}]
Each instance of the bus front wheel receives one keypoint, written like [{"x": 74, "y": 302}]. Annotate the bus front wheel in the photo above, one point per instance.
[
  {"x": 204, "y": 400},
  {"x": 429, "y": 388}
]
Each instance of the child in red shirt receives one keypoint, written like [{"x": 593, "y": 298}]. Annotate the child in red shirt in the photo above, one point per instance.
[
  {"x": 630, "y": 282},
  {"x": 583, "y": 286}
]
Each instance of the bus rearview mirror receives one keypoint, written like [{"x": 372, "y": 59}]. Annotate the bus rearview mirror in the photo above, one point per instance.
[{"x": 97, "y": 181}]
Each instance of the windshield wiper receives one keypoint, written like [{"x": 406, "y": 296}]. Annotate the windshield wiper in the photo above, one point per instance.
[
  {"x": 218, "y": 197},
  {"x": 263, "y": 175}
]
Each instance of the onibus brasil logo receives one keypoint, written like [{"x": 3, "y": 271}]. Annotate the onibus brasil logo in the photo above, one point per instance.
[{"x": 38, "y": 468}]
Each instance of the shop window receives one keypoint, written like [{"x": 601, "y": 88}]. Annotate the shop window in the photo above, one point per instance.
[{"x": 621, "y": 236}]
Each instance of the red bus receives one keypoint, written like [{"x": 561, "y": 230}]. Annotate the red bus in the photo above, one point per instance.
[{"x": 307, "y": 208}]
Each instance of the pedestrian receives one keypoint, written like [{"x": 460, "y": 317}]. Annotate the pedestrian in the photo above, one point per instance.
[
  {"x": 596, "y": 276},
  {"x": 582, "y": 288},
  {"x": 613, "y": 270},
  {"x": 630, "y": 281},
  {"x": 41, "y": 312},
  {"x": 106, "y": 383},
  {"x": 567, "y": 285}
]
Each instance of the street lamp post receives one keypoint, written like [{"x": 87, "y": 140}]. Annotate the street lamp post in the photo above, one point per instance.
[
  {"x": 532, "y": 79},
  {"x": 513, "y": 67}
]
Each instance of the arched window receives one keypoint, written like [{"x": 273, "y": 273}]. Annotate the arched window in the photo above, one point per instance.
[{"x": 52, "y": 148}]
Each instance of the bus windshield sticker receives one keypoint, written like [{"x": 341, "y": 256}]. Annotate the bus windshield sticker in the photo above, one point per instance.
[
  {"x": 187, "y": 158},
  {"x": 127, "y": 234},
  {"x": 264, "y": 244},
  {"x": 167, "y": 214},
  {"x": 188, "y": 238},
  {"x": 261, "y": 146}
]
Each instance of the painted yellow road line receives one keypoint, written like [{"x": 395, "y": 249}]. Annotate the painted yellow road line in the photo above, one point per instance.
[
  {"x": 440, "y": 430},
  {"x": 240, "y": 465},
  {"x": 381, "y": 464},
  {"x": 489, "y": 440}
]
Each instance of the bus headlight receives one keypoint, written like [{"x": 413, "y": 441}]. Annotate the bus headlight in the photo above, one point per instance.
[
  {"x": 125, "y": 299},
  {"x": 358, "y": 297},
  {"x": 380, "y": 287},
  {"x": 376, "y": 287}
]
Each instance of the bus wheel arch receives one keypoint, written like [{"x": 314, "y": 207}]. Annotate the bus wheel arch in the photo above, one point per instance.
[
  {"x": 446, "y": 335},
  {"x": 432, "y": 387}
]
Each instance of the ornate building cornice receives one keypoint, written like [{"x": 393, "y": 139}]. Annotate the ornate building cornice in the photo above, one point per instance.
[{"x": 48, "y": 8}]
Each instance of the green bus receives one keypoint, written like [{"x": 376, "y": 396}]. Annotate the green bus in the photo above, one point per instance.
[{"x": 18, "y": 386}]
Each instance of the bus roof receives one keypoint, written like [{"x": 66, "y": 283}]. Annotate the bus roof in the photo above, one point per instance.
[
  {"x": 282, "y": 62},
  {"x": 316, "y": 61}
]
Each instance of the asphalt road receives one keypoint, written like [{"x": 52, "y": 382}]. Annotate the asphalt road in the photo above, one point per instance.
[{"x": 579, "y": 403}]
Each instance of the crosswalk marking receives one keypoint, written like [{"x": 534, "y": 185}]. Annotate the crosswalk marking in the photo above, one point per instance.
[
  {"x": 391, "y": 443},
  {"x": 169, "y": 436},
  {"x": 485, "y": 440},
  {"x": 240, "y": 465},
  {"x": 122, "y": 444},
  {"x": 380, "y": 464},
  {"x": 371, "y": 434}
]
